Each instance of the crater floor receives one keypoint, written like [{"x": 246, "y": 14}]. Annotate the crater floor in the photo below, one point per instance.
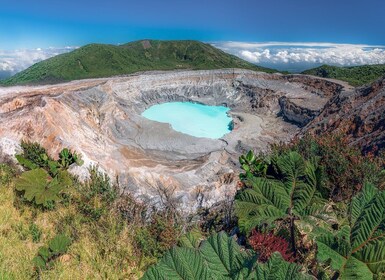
[{"x": 101, "y": 118}]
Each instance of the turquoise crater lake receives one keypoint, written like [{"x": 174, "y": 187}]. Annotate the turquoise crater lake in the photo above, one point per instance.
[{"x": 192, "y": 118}]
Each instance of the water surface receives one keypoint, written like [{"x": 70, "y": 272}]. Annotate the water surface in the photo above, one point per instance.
[{"x": 192, "y": 118}]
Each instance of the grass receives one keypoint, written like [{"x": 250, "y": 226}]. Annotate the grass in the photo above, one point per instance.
[
  {"x": 101, "y": 249},
  {"x": 105, "y": 228},
  {"x": 99, "y": 60},
  {"x": 355, "y": 76},
  {"x": 16, "y": 248}
]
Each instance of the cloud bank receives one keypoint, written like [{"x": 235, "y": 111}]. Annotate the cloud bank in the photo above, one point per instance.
[
  {"x": 300, "y": 56},
  {"x": 13, "y": 61}
]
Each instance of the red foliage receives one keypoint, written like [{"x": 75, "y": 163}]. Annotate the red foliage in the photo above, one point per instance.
[
  {"x": 267, "y": 243},
  {"x": 240, "y": 185}
]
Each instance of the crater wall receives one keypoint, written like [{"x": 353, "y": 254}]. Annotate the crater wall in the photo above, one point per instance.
[{"x": 101, "y": 119}]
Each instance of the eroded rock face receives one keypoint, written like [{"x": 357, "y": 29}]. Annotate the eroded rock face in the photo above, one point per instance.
[
  {"x": 295, "y": 113},
  {"x": 301, "y": 110},
  {"x": 358, "y": 114},
  {"x": 101, "y": 119}
]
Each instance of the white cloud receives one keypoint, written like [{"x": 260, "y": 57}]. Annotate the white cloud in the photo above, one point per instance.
[
  {"x": 14, "y": 61},
  {"x": 281, "y": 53}
]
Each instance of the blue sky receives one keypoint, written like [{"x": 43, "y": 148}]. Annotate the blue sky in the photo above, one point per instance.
[
  {"x": 43, "y": 23},
  {"x": 31, "y": 31}
]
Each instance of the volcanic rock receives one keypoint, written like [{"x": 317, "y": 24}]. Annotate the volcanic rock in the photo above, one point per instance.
[{"x": 357, "y": 114}]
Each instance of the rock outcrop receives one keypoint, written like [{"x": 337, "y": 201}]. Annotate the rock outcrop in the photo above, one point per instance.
[
  {"x": 296, "y": 113},
  {"x": 358, "y": 114},
  {"x": 101, "y": 118},
  {"x": 301, "y": 110}
]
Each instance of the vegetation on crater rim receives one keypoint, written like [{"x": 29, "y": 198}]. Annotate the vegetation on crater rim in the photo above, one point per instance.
[
  {"x": 310, "y": 209},
  {"x": 354, "y": 75}
]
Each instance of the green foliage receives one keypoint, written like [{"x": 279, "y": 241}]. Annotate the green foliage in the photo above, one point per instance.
[
  {"x": 100, "y": 184},
  {"x": 357, "y": 251},
  {"x": 47, "y": 254},
  {"x": 96, "y": 60},
  {"x": 39, "y": 187},
  {"x": 192, "y": 239},
  {"x": 66, "y": 158},
  {"x": 35, "y": 232},
  {"x": 290, "y": 190},
  {"x": 6, "y": 174},
  {"x": 46, "y": 178},
  {"x": 26, "y": 162},
  {"x": 284, "y": 199},
  {"x": 156, "y": 237},
  {"x": 33, "y": 155},
  {"x": 356, "y": 75},
  {"x": 220, "y": 257},
  {"x": 96, "y": 194},
  {"x": 253, "y": 165},
  {"x": 59, "y": 244},
  {"x": 344, "y": 167}
]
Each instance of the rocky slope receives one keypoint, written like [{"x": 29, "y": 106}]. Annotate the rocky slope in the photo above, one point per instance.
[
  {"x": 358, "y": 114},
  {"x": 101, "y": 119}
]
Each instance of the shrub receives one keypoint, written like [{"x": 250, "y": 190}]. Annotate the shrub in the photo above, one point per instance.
[
  {"x": 218, "y": 217},
  {"x": 99, "y": 184},
  {"x": 156, "y": 237},
  {"x": 35, "y": 232},
  {"x": 132, "y": 211},
  {"x": 67, "y": 157},
  {"x": 345, "y": 167},
  {"x": 253, "y": 165},
  {"x": 265, "y": 244},
  {"x": 33, "y": 155},
  {"x": 6, "y": 174},
  {"x": 97, "y": 194}
]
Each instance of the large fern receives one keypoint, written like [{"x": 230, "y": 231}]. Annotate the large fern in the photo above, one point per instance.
[
  {"x": 357, "y": 251},
  {"x": 220, "y": 257},
  {"x": 289, "y": 193}
]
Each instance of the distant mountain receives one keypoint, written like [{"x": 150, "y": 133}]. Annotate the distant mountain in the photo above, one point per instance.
[
  {"x": 99, "y": 60},
  {"x": 355, "y": 75}
]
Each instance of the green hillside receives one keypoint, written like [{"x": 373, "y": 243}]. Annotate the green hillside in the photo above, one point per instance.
[
  {"x": 99, "y": 60},
  {"x": 356, "y": 75}
]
